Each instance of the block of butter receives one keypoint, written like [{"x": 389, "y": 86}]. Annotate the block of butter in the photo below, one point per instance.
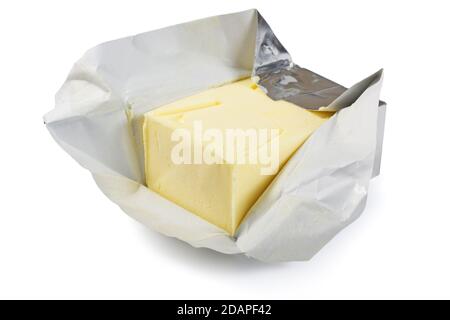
[{"x": 214, "y": 153}]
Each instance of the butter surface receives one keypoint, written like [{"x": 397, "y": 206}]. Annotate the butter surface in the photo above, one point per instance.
[{"x": 221, "y": 193}]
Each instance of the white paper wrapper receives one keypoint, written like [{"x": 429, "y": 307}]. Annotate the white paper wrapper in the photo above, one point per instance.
[{"x": 320, "y": 190}]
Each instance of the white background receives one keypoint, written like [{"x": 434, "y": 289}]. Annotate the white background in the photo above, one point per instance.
[{"x": 61, "y": 238}]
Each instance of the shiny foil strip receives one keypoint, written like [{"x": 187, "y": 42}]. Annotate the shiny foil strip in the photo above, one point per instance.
[{"x": 282, "y": 79}]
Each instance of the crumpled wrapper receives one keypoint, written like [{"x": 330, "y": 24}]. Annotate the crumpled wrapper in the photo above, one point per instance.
[{"x": 322, "y": 188}]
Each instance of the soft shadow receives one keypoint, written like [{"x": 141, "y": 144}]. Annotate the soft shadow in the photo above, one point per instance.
[
  {"x": 203, "y": 258},
  {"x": 207, "y": 259}
]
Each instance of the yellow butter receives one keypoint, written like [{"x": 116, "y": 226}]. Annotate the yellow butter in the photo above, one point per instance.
[{"x": 222, "y": 193}]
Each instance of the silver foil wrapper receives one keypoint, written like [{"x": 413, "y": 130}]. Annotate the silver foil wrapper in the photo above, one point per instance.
[{"x": 282, "y": 79}]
